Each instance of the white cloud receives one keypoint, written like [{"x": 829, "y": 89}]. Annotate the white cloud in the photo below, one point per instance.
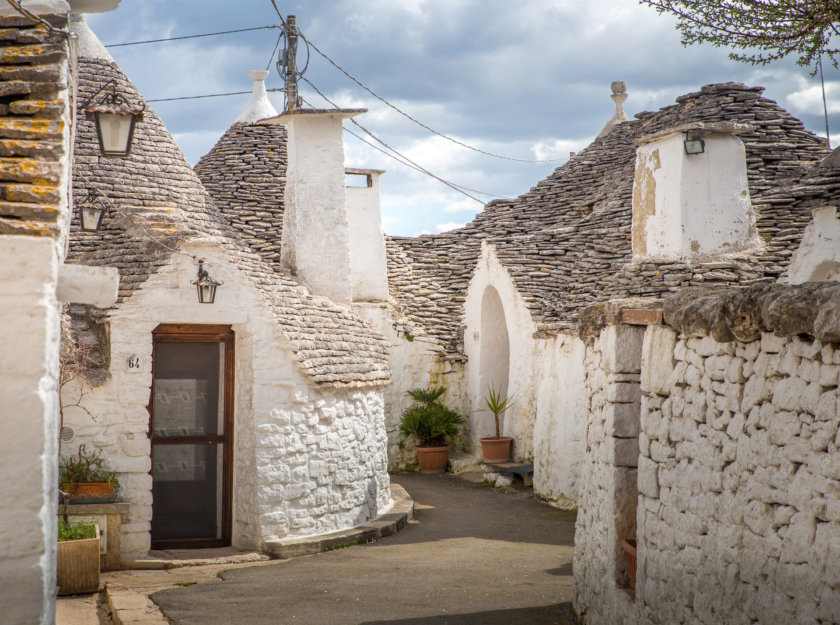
[
  {"x": 808, "y": 98},
  {"x": 559, "y": 149},
  {"x": 465, "y": 205}
]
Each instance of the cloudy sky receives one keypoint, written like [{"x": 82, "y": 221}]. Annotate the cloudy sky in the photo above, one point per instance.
[{"x": 525, "y": 79}]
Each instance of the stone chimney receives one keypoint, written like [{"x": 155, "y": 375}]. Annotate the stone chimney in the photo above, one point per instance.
[
  {"x": 690, "y": 193},
  {"x": 316, "y": 229},
  {"x": 258, "y": 107},
  {"x": 368, "y": 264}
]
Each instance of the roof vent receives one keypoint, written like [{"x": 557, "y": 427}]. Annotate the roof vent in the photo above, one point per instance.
[{"x": 258, "y": 107}]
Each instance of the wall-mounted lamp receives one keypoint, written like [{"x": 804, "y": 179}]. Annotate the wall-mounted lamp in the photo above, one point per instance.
[
  {"x": 115, "y": 119},
  {"x": 91, "y": 210},
  {"x": 694, "y": 144},
  {"x": 205, "y": 285}
]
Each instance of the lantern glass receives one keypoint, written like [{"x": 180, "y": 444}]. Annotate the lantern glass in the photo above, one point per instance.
[
  {"x": 115, "y": 133},
  {"x": 206, "y": 293},
  {"x": 694, "y": 144},
  {"x": 90, "y": 217}
]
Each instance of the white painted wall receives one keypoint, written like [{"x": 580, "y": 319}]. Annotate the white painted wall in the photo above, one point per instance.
[
  {"x": 368, "y": 264},
  {"x": 414, "y": 363},
  {"x": 316, "y": 242},
  {"x": 818, "y": 257},
  {"x": 545, "y": 380},
  {"x": 29, "y": 347},
  {"x": 306, "y": 460},
  {"x": 691, "y": 205}
]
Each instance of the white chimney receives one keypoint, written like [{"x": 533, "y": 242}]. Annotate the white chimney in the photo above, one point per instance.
[
  {"x": 690, "y": 193},
  {"x": 316, "y": 229},
  {"x": 368, "y": 262}
]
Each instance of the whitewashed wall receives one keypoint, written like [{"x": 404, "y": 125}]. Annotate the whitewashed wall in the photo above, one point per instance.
[
  {"x": 738, "y": 514},
  {"x": 545, "y": 380},
  {"x": 29, "y": 348},
  {"x": 688, "y": 205},
  {"x": 368, "y": 264},
  {"x": 282, "y": 422},
  {"x": 818, "y": 256}
]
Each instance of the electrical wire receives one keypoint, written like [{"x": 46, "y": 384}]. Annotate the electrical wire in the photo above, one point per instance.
[
  {"x": 415, "y": 165},
  {"x": 209, "y": 95},
  {"x": 221, "y": 32},
  {"x": 273, "y": 52},
  {"x": 418, "y": 122},
  {"x": 406, "y": 115}
]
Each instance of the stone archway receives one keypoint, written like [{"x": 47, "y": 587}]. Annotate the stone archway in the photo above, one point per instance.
[{"x": 494, "y": 367}]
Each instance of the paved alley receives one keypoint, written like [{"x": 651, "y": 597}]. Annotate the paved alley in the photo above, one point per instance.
[{"x": 472, "y": 556}]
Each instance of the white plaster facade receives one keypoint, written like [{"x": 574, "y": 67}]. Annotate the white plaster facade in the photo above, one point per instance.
[
  {"x": 691, "y": 205},
  {"x": 818, "y": 255},
  {"x": 316, "y": 243},
  {"x": 368, "y": 264},
  {"x": 543, "y": 376},
  {"x": 307, "y": 460}
]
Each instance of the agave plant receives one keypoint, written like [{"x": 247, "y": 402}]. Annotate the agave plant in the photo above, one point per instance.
[
  {"x": 494, "y": 403},
  {"x": 432, "y": 423}
]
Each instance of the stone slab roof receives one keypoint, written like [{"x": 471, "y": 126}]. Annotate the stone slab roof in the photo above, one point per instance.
[
  {"x": 245, "y": 173},
  {"x": 566, "y": 243},
  {"x": 157, "y": 201},
  {"x": 32, "y": 77}
]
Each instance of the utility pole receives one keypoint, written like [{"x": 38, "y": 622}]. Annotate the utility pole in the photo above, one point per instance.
[{"x": 290, "y": 78}]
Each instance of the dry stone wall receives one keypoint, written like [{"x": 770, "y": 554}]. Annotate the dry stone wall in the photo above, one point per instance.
[{"x": 738, "y": 513}]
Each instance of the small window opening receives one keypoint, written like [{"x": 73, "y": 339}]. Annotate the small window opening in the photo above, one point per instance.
[{"x": 358, "y": 180}]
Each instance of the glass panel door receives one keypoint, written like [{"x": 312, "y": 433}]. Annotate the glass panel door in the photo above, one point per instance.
[{"x": 190, "y": 451}]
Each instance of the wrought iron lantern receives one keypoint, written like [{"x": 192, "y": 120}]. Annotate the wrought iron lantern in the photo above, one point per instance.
[
  {"x": 91, "y": 210},
  {"x": 694, "y": 144},
  {"x": 205, "y": 285},
  {"x": 115, "y": 120}
]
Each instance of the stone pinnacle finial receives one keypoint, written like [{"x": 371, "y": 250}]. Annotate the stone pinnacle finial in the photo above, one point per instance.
[
  {"x": 619, "y": 95},
  {"x": 258, "y": 107}
]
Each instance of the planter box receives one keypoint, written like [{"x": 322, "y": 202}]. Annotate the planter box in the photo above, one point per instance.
[
  {"x": 629, "y": 547},
  {"x": 89, "y": 492},
  {"x": 78, "y": 565}
]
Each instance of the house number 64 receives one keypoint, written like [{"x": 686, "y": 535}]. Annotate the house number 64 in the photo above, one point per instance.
[{"x": 134, "y": 363}]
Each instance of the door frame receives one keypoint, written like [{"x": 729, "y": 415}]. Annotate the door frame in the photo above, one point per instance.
[{"x": 200, "y": 333}]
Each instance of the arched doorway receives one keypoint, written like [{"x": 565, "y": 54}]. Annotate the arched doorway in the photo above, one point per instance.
[{"x": 494, "y": 366}]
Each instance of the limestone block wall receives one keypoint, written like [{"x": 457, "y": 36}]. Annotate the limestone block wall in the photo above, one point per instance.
[
  {"x": 608, "y": 494},
  {"x": 739, "y": 479},
  {"x": 306, "y": 459},
  {"x": 738, "y": 509}
]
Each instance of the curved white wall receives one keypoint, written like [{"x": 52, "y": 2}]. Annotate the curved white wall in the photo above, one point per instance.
[
  {"x": 818, "y": 257},
  {"x": 494, "y": 368}
]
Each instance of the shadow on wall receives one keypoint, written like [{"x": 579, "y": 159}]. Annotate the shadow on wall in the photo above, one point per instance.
[
  {"x": 558, "y": 614},
  {"x": 368, "y": 510}
]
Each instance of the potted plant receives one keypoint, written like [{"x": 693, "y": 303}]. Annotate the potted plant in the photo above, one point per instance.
[
  {"x": 78, "y": 557},
  {"x": 433, "y": 425},
  {"x": 629, "y": 547},
  {"x": 496, "y": 448},
  {"x": 86, "y": 479}
]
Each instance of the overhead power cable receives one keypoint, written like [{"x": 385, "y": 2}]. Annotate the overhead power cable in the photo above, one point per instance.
[
  {"x": 417, "y": 121},
  {"x": 221, "y": 32},
  {"x": 209, "y": 95},
  {"x": 401, "y": 156}
]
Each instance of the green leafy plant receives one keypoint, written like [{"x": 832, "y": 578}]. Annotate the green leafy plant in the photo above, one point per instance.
[
  {"x": 494, "y": 403},
  {"x": 75, "y": 531},
  {"x": 429, "y": 421},
  {"x": 86, "y": 466}
]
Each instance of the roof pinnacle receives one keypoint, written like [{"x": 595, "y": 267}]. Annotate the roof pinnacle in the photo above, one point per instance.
[{"x": 258, "y": 107}]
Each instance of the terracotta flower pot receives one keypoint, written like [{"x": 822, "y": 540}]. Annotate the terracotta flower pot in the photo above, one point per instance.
[
  {"x": 89, "y": 492},
  {"x": 432, "y": 460},
  {"x": 496, "y": 449},
  {"x": 629, "y": 547}
]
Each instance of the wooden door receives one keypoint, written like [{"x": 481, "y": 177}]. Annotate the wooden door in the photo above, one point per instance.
[{"x": 191, "y": 429}]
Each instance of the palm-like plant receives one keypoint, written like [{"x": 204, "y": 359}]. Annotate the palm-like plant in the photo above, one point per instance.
[
  {"x": 432, "y": 423},
  {"x": 494, "y": 403}
]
